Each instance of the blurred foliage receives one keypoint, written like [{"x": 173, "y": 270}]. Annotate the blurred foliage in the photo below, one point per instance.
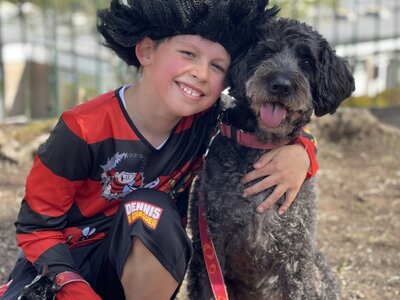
[
  {"x": 87, "y": 6},
  {"x": 299, "y": 8},
  {"x": 387, "y": 98},
  {"x": 26, "y": 132}
]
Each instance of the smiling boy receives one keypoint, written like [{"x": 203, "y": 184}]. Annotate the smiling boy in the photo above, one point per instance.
[{"x": 180, "y": 77}]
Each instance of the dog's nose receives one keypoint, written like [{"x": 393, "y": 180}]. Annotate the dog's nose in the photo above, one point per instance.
[{"x": 280, "y": 86}]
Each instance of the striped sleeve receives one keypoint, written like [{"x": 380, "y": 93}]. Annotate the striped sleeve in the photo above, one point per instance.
[{"x": 60, "y": 167}]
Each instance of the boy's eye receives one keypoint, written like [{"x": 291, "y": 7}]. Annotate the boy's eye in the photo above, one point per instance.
[
  {"x": 218, "y": 67},
  {"x": 188, "y": 53}
]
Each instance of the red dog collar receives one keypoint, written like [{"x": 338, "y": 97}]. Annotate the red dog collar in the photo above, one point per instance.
[
  {"x": 250, "y": 140},
  {"x": 245, "y": 138}
]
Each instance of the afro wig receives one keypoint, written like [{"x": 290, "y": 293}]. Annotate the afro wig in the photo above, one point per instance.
[{"x": 228, "y": 22}]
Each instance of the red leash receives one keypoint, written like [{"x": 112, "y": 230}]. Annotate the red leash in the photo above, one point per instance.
[{"x": 210, "y": 257}]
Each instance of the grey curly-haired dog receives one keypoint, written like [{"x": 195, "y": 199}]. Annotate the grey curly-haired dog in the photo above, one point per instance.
[{"x": 290, "y": 73}]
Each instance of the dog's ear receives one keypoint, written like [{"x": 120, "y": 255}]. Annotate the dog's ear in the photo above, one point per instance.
[
  {"x": 238, "y": 74},
  {"x": 334, "y": 81}
]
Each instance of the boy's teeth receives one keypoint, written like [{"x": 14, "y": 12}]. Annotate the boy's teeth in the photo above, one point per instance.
[{"x": 190, "y": 92}]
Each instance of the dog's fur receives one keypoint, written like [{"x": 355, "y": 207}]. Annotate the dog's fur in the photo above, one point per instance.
[{"x": 267, "y": 256}]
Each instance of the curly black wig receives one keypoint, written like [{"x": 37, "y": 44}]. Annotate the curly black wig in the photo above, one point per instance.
[{"x": 228, "y": 22}]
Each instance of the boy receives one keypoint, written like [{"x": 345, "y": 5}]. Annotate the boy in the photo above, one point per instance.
[{"x": 104, "y": 200}]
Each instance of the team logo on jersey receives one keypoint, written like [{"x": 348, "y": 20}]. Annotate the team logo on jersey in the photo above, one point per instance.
[
  {"x": 137, "y": 210},
  {"x": 122, "y": 174}
]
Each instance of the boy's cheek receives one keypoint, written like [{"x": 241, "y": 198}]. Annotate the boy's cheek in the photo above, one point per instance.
[{"x": 220, "y": 83}]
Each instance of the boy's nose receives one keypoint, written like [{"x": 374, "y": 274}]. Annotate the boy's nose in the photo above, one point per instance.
[{"x": 200, "y": 71}]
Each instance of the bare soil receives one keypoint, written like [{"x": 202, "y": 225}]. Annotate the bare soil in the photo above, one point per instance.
[{"x": 359, "y": 206}]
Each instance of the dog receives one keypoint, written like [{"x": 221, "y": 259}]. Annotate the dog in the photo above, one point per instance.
[{"x": 289, "y": 74}]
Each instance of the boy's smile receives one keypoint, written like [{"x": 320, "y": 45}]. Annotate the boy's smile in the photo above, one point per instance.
[{"x": 190, "y": 91}]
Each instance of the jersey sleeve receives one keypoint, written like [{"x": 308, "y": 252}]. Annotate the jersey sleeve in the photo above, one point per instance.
[
  {"x": 309, "y": 143},
  {"x": 60, "y": 167}
]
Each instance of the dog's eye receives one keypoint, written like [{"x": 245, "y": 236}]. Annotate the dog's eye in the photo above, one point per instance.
[
  {"x": 269, "y": 50},
  {"x": 307, "y": 63},
  {"x": 265, "y": 48}
]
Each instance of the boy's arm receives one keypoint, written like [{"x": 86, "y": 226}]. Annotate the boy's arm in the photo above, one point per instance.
[{"x": 50, "y": 189}]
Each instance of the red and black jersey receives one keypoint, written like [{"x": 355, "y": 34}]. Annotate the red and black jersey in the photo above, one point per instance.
[{"x": 92, "y": 159}]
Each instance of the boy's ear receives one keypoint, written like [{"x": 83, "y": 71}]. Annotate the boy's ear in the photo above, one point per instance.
[{"x": 143, "y": 50}]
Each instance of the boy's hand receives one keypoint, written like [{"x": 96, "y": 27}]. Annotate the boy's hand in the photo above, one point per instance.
[
  {"x": 41, "y": 288},
  {"x": 285, "y": 168}
]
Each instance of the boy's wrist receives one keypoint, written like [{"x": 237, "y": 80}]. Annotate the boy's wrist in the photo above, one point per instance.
[{"x": 66, "y": 277}]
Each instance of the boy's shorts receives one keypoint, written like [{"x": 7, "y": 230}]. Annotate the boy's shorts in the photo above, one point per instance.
[{"x": 150, "y": 215}]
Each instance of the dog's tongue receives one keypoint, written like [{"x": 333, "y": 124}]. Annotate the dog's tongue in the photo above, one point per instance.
[{"x": 272, "y": 114}]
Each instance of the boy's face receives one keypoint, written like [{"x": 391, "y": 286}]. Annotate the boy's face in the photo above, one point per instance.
[{"x": 185, "y": 74}]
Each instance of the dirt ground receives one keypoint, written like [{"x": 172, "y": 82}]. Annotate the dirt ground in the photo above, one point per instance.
[{"x": 359, "y": 211}]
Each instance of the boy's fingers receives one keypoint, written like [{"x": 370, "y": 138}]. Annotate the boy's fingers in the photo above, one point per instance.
[
  {"x": 290, "y": 196},
  {"x": 264, "y": 159},
  {"x": 260, "y": 186},
  {"x": 278, "y": 192},
  {"x": 256, "y": 173}
]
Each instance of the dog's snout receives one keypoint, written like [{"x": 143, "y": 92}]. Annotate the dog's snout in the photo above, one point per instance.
[{"x": 280, "y": 86}]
